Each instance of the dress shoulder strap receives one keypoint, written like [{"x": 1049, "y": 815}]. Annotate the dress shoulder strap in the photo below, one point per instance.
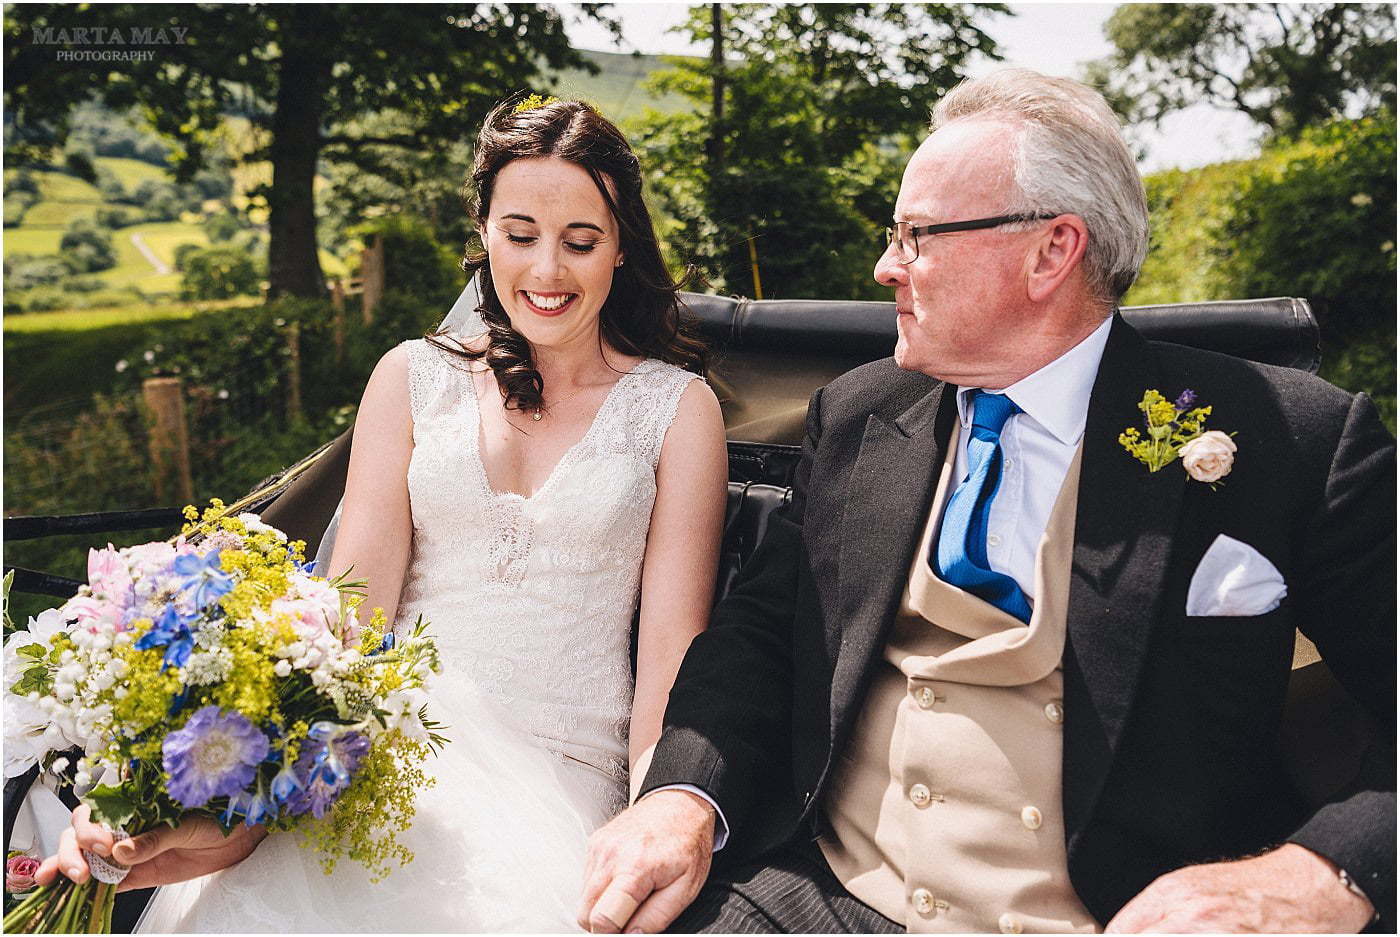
[
  {"x": 436, "y": 378},
  {"x": 654, "y": 392}
]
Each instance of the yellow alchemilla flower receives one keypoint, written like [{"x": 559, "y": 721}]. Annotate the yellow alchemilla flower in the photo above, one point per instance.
[
  {"x": 1170, "y": 426},
  {"x": 534, "y": 101}
]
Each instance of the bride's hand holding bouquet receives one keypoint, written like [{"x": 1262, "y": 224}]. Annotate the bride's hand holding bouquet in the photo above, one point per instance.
[{"x": 215, "y": 687}]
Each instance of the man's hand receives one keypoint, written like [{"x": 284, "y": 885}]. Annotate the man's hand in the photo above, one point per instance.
[
  {"x": 1286, "y": 890},
  {"x": 161, "y": 857},
  {"x": 648, "y": 864}
]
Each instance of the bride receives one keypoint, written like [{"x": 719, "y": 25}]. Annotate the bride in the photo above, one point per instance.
[{"x": 526, "y": 490}]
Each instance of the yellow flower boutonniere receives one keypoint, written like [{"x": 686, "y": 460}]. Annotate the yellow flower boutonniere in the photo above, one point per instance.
[{"x": 1176, "y": 429}]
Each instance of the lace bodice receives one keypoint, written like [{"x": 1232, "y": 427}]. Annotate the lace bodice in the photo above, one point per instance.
[{"x": 532, "y": 598}]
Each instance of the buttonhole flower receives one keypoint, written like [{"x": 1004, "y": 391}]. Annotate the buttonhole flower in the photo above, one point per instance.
[
  {"x": 1176, "y": 430},
  {"x": 215, "y": 754}
]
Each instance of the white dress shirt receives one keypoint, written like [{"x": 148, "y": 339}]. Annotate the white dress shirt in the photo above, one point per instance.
[{"x": 1038, "y": 445}]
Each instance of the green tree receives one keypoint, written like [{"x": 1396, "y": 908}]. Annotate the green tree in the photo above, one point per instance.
[
  {"x": 1322, "y": 225},
  {"x": 85, "y": 247},
  {"x": 793, "y": 150},
  {"x": 301, "y": 72},
  {"x": 217, "y": 273},
  {"x": 1287, "y": 66}
]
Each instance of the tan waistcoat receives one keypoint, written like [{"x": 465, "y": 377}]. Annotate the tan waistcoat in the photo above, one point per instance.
[{"x": 946, "y": 812}]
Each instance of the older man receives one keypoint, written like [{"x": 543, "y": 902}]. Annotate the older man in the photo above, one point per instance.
[{"x": 995, "y": 671}]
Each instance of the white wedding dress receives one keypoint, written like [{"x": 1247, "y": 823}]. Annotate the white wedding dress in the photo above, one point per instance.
[{"x": 531, "y": 601}]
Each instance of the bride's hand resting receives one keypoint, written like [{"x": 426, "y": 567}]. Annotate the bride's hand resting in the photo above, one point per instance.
[{"x": 160, "y": 857}]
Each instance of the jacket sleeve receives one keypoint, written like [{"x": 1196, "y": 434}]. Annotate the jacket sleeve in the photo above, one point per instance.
[
  {"x": 729, "y": 718},
  {"x": 1348, "y": 609}
]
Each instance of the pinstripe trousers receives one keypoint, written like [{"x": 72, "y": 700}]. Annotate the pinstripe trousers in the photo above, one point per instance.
[{"x": 788, "y": 891}]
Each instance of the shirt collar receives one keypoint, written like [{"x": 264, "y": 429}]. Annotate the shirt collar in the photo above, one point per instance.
[{"x": 1056, "y": 396}]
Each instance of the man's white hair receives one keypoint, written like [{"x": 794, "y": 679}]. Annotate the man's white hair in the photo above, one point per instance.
[{"x": 1069, "y": 158}]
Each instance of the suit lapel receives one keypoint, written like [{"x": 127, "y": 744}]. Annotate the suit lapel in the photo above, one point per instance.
[
  {"x": 890, "y": 489},
  {"x": 1124, "y": 528}
]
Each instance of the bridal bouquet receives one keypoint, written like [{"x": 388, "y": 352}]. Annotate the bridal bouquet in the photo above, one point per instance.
[{"x": 214, "y": 675}]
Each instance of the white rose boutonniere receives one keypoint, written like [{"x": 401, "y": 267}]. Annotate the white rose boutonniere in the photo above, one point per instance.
[
  {"x": 1209, "y": 457},
  {"x": 1176, "y": 429}
]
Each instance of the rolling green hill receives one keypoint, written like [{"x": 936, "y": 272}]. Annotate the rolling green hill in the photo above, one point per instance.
[{"x": 617, "y": 90}]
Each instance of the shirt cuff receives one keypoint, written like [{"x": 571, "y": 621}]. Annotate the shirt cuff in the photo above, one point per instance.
[{"x": 721, "y": 825}]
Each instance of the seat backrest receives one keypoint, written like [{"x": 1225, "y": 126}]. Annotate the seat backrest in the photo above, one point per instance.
[{"x": 770, "y": 355}]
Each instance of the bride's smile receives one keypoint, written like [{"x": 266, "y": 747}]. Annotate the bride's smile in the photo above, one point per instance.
[{"x": 553, "y": 247}]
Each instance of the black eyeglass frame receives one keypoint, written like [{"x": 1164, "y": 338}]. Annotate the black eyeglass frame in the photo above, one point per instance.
[{"x": 948, "y": 227}]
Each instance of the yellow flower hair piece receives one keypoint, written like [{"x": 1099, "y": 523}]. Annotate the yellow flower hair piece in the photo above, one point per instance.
[{"x": 534, "y": 101}]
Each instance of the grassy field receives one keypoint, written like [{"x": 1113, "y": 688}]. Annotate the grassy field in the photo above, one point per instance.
[
  {"x": 617, "y": 90},
  {"x": 132, "y": 172},
  {"x": 57, "y": 357}
]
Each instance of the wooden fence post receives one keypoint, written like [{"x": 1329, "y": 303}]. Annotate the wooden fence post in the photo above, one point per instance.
[
  {"x": 338, "y": 320},
  {"x": 372, "y": 275},
  {"x": 169, "y": 438},
  {"x": 293, "y": 371}
]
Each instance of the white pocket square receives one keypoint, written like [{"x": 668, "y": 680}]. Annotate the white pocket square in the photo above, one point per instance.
[{"x": 1233, "y": 578}]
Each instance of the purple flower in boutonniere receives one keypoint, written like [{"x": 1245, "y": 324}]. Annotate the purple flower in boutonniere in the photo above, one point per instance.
[{"x": 1176, "y": 429}]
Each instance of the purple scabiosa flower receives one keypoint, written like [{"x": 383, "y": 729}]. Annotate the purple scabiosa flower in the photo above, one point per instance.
[
  {"x": 1186, "y": 401},
  {"x": 215, "y": 754},
  {"x": 325, "y": 769},
  {"x": 203, "y": 576}
]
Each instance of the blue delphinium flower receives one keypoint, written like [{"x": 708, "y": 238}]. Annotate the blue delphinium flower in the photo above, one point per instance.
[
  {"x": 325, "y": 767},
  {"x": 203, "y": 575},
  {"x": 1186, "y": 401},
  {"x": 261, "y": 808},
  {"x": 286, "y": 783},
  {"x": 170, "y": 630},
  {"x": 215, "y": 754}
]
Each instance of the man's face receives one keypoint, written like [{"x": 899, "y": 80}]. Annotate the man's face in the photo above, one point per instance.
[{"x": 961, "y": 302}]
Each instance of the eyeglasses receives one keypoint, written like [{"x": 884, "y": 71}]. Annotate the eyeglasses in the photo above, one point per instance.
[{"x": 905, "y": 237}]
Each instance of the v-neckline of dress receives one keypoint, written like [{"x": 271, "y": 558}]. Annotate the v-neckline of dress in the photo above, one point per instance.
[{"x": 485, "y": 480}]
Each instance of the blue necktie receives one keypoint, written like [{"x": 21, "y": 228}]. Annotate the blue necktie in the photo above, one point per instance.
[{"x": 960, "y": 557}]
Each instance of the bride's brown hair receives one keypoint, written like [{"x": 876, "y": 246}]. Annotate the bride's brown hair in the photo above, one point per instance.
[{"x": 642, "y": 315}]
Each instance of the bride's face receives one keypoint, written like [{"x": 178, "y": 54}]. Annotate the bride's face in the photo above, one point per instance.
[{"x": 553, "y": 246}]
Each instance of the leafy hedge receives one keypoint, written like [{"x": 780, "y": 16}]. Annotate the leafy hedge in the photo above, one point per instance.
[{"x": 1311, "y": 217}]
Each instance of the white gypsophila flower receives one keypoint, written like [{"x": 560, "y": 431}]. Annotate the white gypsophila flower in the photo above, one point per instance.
[
  {"x": 255, "y": 524},
  {"x": 283, "y": 668},
  {"x": 210, "y": 634},
  {"x": 205, "y": 667}
]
